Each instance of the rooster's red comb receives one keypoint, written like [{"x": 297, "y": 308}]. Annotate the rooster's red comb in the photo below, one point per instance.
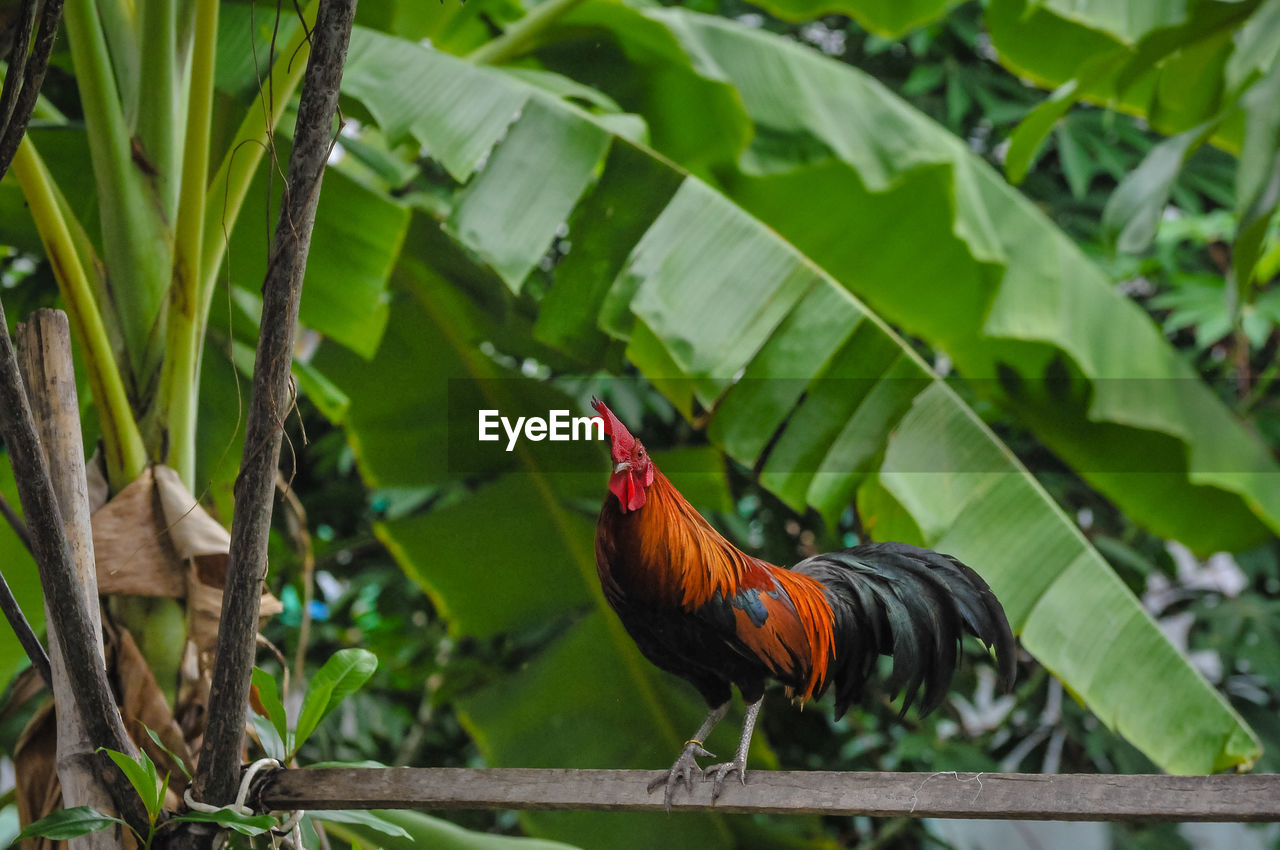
[{"x": 613, "y": 427}]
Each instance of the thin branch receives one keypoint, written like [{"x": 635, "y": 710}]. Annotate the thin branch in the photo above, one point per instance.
[
  {"x": 15, "y": 125},
  {"x": 15, "y": 522},
  {"x": 26, "y": 635},
  {"x": 219, "y": 765},
  {"x": 944, "y": 794},
  {"x": 68, "y": 608},
  {"x": 13, "y": 611},
  {"x": 17, "y": 59}
]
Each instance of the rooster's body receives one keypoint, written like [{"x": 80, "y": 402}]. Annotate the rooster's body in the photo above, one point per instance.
[{"x": 702, "y": 609}]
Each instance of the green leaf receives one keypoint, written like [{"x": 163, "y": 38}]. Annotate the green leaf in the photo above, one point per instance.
[
  {"x": 529, "y": 514},
  {"x": 141, "y": 774},
  {"x": 510, "y": 229},
  {"x": 984, "y": 275},
  {"x": 1257, "y": 46},
  {"x": 151, "y": 733},
  {"x": 272, "y": 744},
  {"x": 328, "y": 399},
  {"x": 245, "y": 35},
  {"x": 422, "y": 830},
  {"x": 1133, "y": 212},
  {"x": 1180, "y": 68},
  {"x": 68, "y": 823},
  {"x": 454, "y": 28},
  {"x": 344, "y": 293},
  {"x": 1257, "y": 178},
  {"x": 1031, "y": 132},
  {"x": 365, "y": 818},
  {"x": 342, "y": 675},
  {"x": 886, "y": 18},
  {"x": 269, "y": 696},
  {"x": 243, "y": 824}
]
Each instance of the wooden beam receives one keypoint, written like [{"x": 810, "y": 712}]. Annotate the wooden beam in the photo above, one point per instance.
[{"x": 1004, "y": 796}]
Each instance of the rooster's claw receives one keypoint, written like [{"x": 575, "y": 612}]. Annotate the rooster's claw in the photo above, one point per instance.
[
  {"x": 719, "y": 772},
  {"x": 683, "y": 770}
]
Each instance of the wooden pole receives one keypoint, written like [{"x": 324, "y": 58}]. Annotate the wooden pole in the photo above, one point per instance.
[
  {"x": 44, "y": 347},
  {"x": 69, "y": 609},
  {"x": 218, "y": 770},
  {"x": 1003, "y": 796}
]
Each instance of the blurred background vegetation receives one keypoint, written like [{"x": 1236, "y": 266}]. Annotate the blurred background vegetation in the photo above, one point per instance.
[{"x": 1148, "y": 183}]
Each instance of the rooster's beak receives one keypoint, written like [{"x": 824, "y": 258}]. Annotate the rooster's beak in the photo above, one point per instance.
[{"x": 622, "y": 466}]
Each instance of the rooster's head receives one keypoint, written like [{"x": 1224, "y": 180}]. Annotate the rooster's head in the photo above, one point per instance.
[{"x": 632, "y": 468}]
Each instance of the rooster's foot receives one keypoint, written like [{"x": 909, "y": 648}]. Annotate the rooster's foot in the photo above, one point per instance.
[
  {"x": 683, "y": 770},
  {"x": 719, "y": 772}
]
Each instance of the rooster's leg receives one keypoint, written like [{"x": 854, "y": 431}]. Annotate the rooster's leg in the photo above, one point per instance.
[
  {"x": 719, "y": 772},
  {"x": 685, "y": 767}
]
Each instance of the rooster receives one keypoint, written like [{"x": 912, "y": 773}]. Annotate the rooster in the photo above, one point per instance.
[{"x": 702, "y": 609}]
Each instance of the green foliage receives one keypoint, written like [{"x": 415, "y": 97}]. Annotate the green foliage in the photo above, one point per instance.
[
  {"x": 229, "y": 819},
  {"x": 68, "y": 823},
  {"x": 141, "y": 773},
  {"x": 393, "y": 830},
  {"x": 342, "y": 675},
  {"x": 280, "y": 742},
  {"x": 775, "y": 318},
  {"x": 775, "y": 247},
  {"x": 1134, "y": 211}
]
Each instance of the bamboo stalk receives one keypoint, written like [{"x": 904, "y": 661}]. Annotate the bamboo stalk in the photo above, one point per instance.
[
  {"x": 44, "y": 343},
  {"x": 945, "y": 794},
  {"x": 67, "y": 604}
]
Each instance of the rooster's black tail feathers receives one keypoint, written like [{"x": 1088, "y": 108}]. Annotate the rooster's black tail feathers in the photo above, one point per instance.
[{"x": 913, "y": 604}]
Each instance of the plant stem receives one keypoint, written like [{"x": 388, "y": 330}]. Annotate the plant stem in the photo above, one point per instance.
[
  {"x": 15, "y": 522},
  {"x": 119, "y": 20},
  {"x": 313, "y": 138},
  {"x": 161, "y": 101},
  {"x": 179, "y": 389},
  {"x": 25, "y": 634},
  {"x": 122, "y": 443},
  {"x": 521, "y": 34},
  {"x": 136, "y": 241},
  {"x": 230, "y": 184}
]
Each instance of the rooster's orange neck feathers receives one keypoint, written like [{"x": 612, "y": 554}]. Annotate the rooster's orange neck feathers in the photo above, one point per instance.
[{"x": 686, "y": 563}]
